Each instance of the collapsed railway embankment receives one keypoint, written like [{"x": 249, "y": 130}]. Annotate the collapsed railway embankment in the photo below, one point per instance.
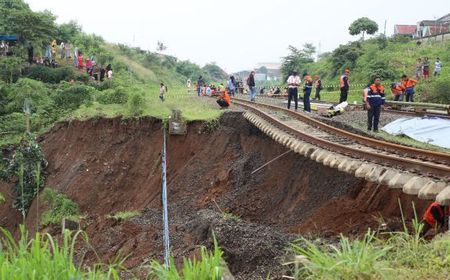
[{"x": 111, "y": 165}]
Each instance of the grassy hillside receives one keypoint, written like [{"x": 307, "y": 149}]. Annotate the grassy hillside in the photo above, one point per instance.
[
  {"x": 41, "y": 96},
  {"x": 389, "y": 58}
]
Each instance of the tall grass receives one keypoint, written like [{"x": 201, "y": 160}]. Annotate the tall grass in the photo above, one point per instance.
[
  {"x": 358, "y": 259},
  {"x": 43, "y": 258},
  {"x": 209, "y": 267},
  {"x": 394, "y": 255}
]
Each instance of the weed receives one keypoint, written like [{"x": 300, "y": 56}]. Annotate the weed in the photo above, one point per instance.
[
  {"x": 135, "y": 104},
  {"x": 124, "y": 215},
  {"x": 60, "y": 207},
  {"x": 211, "y": 126},
  {"x": 209, "y": 267},
  {"x": 231, "y": 216}
]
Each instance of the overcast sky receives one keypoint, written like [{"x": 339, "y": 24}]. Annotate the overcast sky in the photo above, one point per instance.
[{"x": 236, "y": 34}]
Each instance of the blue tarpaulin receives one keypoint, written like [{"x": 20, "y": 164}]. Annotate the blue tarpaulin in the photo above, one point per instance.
[
  {"x": 9, "y": 37},
  {"x": 435, "y": 131}
]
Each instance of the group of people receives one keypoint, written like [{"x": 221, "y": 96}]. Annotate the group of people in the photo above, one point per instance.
[
  {"x": 294, "y": 82},
  {"x": 423, "y": 68},
  {"x": 95, "y": 71}
]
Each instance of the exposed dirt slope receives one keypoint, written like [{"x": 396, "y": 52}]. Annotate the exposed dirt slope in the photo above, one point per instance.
[{"x": 111, "y": 165}]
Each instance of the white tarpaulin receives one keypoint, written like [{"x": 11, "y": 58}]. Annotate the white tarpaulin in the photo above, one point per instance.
[{"x": 435, "y": 131}]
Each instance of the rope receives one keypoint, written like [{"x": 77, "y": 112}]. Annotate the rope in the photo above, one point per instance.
[{"x": 164, "y": 203}]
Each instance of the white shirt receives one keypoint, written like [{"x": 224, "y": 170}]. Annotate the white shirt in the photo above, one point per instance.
[
  {"x": 294, "y": 80},
  {"x": 109, "y": 74},
  {"x": 437, "y": 66}
]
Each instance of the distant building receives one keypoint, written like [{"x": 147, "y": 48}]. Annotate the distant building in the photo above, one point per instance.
[
  {"x": 272, "y": 70},
  {"x": 405, "y": 30},
  {"x": 259, "y": 77},
  {"x": 433, "y": 27}
]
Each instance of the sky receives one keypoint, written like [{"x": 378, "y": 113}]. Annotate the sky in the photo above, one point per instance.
[{"x": 235, "y": 34}]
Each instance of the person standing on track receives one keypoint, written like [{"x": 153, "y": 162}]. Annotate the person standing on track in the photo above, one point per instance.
[
  {"x": 409, "y": 85},
  {"x": 344, "y": 85},
  {"x": 374, "y": 100},
  {"x": 231, "y": 86},
  {"x": 307, "y": 88},
  {"x": 293, "y": 83},
  {"x": 251, "y": 85},
  {"x": 318, "y": 86}
]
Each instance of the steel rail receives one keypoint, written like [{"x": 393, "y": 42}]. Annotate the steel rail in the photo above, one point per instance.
[
  {"x": 431, "y": 169},
  {"x": 402, "y": 150}
]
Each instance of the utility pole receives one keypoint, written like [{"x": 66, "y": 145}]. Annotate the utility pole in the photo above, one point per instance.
[
  {"x": 385, "y": 22},
  {"x": 319, "y": 49}
]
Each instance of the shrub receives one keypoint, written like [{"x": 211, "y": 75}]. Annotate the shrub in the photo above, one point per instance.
[
  {"x": 440, "y": 91},
  {"x": 52, "y": 75},
  {"x": 32, "y": 91},
  {"x": 60, "y": 207},
  {"x": 13, "y": 123},
  {"x": 136, "y": 104},
  {"x": 113, "y": 96},
  {"x": 71, "y": 96}
]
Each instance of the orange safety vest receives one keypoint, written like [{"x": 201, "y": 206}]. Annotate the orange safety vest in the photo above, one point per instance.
[
  {"x": 398, "y": 89},
  {"x": 428, "y": 216},
  {"x": 409, "y": 83},
  {"x": 342, "y": 81},
  {"x": 227, "y": 98}
]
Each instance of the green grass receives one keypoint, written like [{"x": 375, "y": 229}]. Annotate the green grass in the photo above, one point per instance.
[
  {"x": 43, "y": 257},
  {"x": 59, "y": 207},
  {"x": 124, "y": 215},
  {"x": 192, "y": 108},
  {"x": 209, "y": 267}
]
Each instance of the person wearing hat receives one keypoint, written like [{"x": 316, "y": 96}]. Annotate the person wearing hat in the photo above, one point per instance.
[{"x": 344, "y": 85}]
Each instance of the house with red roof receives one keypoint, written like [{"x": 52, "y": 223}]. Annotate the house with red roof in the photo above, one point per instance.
[{"x": 405, "y": 30}]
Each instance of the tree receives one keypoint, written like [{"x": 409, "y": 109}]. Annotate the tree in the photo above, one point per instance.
[
  {"x": 345, "y": 56},
  {"x": 262, "y": 70},
  {"x": 363, "y": 25},
  {"x": 17, "y": 18},
  {"x": 297, "y": 60},
  {"x": 161, "y": 47},
  {"x": 215, "y": 72},
  {"x": 68, "y": 31}
]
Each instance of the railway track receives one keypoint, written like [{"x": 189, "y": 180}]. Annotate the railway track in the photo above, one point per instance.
[{"x": 435, "y": 165}]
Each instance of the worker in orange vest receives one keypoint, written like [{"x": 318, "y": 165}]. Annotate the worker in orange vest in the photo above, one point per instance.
[
  {"x": 224, "y": 100},
  {"x": 397, "y": 91},
  {"x": 434, "y": 217},
  {"x": 344, "y": 85},
  {"x": 307, "y": 88},
  {"x": 408, "y": 84},
  {"x": 374, "y": 100}
]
